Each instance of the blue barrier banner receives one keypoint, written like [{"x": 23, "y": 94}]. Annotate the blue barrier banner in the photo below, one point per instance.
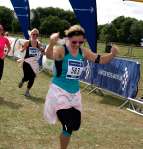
[
  {"x": 85, "y": 11},
  {"x": 22, "y": 10},
  {"x": 120, "y": 76},
  {"x": 87, "y": 74}
]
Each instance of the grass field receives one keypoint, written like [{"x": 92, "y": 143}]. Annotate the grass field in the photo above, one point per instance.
[{"x": 104, "y": 124}]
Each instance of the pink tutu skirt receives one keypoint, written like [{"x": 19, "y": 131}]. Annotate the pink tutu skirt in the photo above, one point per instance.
[
  {"x": 57, "y": 99},
  {"x": 32, "y": 61}
]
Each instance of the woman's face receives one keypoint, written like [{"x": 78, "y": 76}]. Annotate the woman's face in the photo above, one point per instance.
[
  {"x": 76, "y": 41},
  {"x": 34, "y": 35}
]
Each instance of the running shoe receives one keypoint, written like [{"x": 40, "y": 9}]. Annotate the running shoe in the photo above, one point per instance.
[{"x": 27, "y": 94}]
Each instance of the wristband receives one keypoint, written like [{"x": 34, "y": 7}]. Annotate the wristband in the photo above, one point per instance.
[{"x": 97, "y": 60}]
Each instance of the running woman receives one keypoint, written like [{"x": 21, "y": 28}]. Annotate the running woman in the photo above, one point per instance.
[
  {"x": 30, "y": 64},
  {"x": 4, "y": 42},
  {"x": 63, "y": 100}
]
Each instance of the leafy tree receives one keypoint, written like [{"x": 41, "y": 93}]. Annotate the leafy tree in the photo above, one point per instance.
[
  {"x": 122, "y": 29},
  {"x": 35, "y": 19},
  {"x": 108, "y": 33},
  {"x": 99, "y": 30},
  {"x": 50, "y": 11},
  {"x": 136, "y": 31},
  {"x": 53, "y": 24},
  {"x": 45, "y": 12},
  {"x": 6, "y": 17},
  {"x": 118, "y": 22},
  {"x": 15, "y": 26},
  {"x": 124, "y": 32},
  {"x": 69, "y": 16}
]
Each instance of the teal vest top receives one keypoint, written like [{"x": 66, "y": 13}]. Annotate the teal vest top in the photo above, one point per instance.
[{"x": 70, "y": 68}]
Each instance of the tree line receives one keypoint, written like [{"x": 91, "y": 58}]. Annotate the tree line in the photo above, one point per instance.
[
  {"x": 123, "y": 30},
  {"x": 49, "y": 20}
]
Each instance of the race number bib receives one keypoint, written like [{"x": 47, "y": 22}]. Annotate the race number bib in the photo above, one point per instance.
[
  {"x": 34, "y": 52},
  {"x": 75, "y": 68}
]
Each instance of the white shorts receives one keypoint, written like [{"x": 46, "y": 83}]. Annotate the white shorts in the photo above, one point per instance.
[{"x": 57, "y": 99}]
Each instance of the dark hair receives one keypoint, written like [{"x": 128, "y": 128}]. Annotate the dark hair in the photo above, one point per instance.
[{"x": 3, "y": 28}]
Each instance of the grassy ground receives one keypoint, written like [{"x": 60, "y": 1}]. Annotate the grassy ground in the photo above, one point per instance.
[{"x": 104, "y": 124}]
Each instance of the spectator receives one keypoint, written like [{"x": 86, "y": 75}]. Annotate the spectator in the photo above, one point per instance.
[{"x": 3, "y": 42}]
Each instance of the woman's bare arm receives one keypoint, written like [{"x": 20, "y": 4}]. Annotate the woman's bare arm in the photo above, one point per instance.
[{"x": 103, "y": 58}]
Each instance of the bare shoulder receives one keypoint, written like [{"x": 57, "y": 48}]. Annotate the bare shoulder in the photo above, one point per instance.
[{"x": 26, "y": 44}]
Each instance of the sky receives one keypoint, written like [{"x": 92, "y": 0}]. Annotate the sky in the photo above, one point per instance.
[{"x": 107, "y": 10}]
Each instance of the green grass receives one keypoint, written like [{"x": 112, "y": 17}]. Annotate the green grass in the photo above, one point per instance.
[{"x": 104, "y": 124}]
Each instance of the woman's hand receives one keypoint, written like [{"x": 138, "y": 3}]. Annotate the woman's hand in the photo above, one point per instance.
[
  {"x": 54, "y": 38},
  {"x": 114, "y": 50}
]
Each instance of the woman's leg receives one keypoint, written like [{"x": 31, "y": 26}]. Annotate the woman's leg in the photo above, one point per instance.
[
  {"x": 25, "y": 74},
  {"x": 64, "y": 141},
  {"x": 1, "y": 68},
  {"x": 30, "y": 75},
  {"x": 30, "y": 83},
  {"x": 70, "y": 120}
]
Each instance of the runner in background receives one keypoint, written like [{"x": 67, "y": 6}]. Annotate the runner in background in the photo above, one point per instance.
[
  {"x": 30, "y": 64},
  {"x": 4, "y": 42}
]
